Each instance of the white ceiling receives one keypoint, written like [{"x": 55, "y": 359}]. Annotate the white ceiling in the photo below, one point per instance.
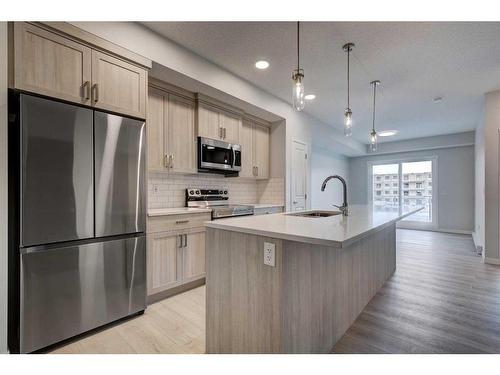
[{"x": 414, "y": 61}]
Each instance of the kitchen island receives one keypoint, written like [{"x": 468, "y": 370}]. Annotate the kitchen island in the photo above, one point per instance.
[{"x": 325, "y": 269}]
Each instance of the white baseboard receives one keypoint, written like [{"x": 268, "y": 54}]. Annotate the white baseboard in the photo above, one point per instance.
[
  {"x": 441, "y": 230},
  {"x": 494, "y": 261}
]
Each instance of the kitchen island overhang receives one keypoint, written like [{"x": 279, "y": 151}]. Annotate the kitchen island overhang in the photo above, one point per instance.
[{"x": 326, "y": 271}]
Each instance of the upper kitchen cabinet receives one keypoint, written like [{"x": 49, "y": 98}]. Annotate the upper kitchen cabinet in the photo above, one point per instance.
[
  {"x": 59, "y": 60},
  {"x": 261, "y": 151},
  {"x": 247, "y": 159},
  {"x": 254, "y": 149},
  {"x": 217, "y": 120},
  {"x": 171, "y": 130},
  {"x": 49, "y": 64},
  {"x": 118, "y": 86},
  {"x": 208, "y": 122}
]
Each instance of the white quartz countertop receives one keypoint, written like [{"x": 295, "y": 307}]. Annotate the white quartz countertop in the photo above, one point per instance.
[
  {"x": 265, "y": 205},
  {"x": 336, "y": 231},
  {"x": 177, "y": 211}
]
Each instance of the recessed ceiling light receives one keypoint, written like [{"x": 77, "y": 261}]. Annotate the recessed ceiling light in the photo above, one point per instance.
[
  {"x": 310, "y": 97},
  {"x": 387, "y": 133},
  {"x": 262, "y": 64},
  {"x": 437, "y": 99}
]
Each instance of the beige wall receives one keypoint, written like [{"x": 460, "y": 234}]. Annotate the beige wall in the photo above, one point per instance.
[
  {"x": 492, "y": 138},
  {"x": 3, "y": 187}
]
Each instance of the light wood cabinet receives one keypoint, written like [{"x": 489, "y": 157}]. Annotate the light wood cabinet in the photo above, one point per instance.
[
  {"x": 171, "y": 132},
  {"x": 208, "y": 123},
  {"x": 247, "y": 159},
  {"x": 216, "y": 123},
  {"x": 163, "y": 261},
  {"x": 118, "y": 86},
  {"x": 175, "y": 252},
  {"x": 193, "y": 256},
  {"x": 261, "y": 151},
  {"x": 50, "y": 63},
  {"x": 254, "y": 150},
  {"x": 155, "y": 120},
  {"x": 181, "y": 141},
  {"x": 231, "y": 126}
]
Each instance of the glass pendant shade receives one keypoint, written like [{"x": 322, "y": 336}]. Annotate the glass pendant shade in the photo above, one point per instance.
[
  {"x": 373, "y": 140},
  {"x": 348, "y": 122},
  {"x": 298, "y": 90}
]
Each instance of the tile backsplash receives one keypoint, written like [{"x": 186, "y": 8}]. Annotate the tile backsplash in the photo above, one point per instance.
[{"x": 168, "y": 190}]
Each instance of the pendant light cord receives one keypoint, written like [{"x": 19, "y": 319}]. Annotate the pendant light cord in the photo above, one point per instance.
[
  {"x": 298, "y": 46},
  {"x": 374, "y": 95},
  {"x": 348, "y": 52}
]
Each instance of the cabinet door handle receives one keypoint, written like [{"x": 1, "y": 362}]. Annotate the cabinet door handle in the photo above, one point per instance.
[
  {"x": 171, "y": 161},
  {"x": 256, "y": 171},
  {"x": 220, "y": 133},
  {"x": 185, "y": 240},
  {"x": 181, "y": 221},
  {"x": 86, "y": 90},
  {"x": 166, "y": 161},
  {"x": 95, "y": 92}
]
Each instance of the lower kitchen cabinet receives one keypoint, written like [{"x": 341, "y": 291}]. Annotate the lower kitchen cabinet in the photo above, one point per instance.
[
  {"x": 193, "y": 256},
  {"x": 163, "y": 262},
  {"x": 175, "y": 253}
]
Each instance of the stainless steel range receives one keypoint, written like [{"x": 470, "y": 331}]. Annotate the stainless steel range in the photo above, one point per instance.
[{"x": 217, "y": 200}]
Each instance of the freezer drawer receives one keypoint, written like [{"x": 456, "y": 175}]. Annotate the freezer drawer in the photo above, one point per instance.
[
  {"x": 57, "y": 195},
  {"x": 69, "y": 290},
  {"x": 120, "y": 196}
]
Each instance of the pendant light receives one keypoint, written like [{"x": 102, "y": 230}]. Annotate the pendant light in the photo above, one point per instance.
[
  {"x": 373, "y": 134},
  {"x": 298, "y": 76},
  {"x": 348, "y": 113}
]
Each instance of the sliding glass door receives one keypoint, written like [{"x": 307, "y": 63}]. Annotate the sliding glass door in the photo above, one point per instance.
[{"x": 402, "y": 186}]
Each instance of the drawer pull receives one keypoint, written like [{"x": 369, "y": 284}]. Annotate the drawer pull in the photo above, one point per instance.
[{"x": 181, "y": 221}]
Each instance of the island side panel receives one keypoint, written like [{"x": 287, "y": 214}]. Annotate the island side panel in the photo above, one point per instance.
[
  {"x": 243, "y": 295},
  {"x": 326, "y": 288}
]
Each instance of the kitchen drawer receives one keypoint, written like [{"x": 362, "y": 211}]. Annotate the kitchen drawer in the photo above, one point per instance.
[
  {"x": 268, "y": 210},
  {"x": 168, "y": 223}
]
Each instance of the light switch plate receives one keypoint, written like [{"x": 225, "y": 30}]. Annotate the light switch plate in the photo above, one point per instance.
[{"x": 269, "y": 254}]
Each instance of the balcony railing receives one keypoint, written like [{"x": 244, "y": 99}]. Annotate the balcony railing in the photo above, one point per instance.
[{"x": 409, "y": 203}]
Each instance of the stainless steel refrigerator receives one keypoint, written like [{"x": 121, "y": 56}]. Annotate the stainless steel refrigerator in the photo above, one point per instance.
[{"x": 77, "y": 256}]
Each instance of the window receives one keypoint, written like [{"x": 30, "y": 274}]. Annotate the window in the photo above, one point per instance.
[
  {"x": 378, "y": 185},
  {"x": 419, "y": 193},
  {"x": 419, "y": 185},
  {"x": 387, "y": 177},
  {"x": 379, "y": 193},
  {"x": 405, "y": 193},
  {"x": 395, "y": 192},
  {"x": 406, "y": 185},
  {"x": 395, "y": 184},
  {"x": 387, "y": 192}
]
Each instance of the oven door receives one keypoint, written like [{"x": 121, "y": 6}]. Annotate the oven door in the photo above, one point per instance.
[{"x": 215, "y": 155}]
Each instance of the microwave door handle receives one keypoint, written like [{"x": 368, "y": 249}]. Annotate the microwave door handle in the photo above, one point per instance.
[{"x": 234, "y": 157}]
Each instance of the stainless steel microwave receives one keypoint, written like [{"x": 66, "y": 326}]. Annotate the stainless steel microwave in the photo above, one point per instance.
[{"x": 216, "y": 156}]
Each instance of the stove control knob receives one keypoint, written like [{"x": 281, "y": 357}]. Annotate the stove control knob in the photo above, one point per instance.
[
  {"x": 225, "y": 192},
  {"x": 191, "y": 192},
  {"x": 221, "y": 192},
  {"x": 197, "y": 192}
]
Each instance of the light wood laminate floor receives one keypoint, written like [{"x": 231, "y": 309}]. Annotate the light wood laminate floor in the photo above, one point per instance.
[{"x": 442, "y": 299}]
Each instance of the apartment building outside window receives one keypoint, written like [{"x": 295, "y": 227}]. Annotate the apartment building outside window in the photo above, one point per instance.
[{"x": 415, "y": 178}]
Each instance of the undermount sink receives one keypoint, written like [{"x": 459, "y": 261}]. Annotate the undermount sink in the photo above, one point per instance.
[{"x": 316, "y": 213}]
